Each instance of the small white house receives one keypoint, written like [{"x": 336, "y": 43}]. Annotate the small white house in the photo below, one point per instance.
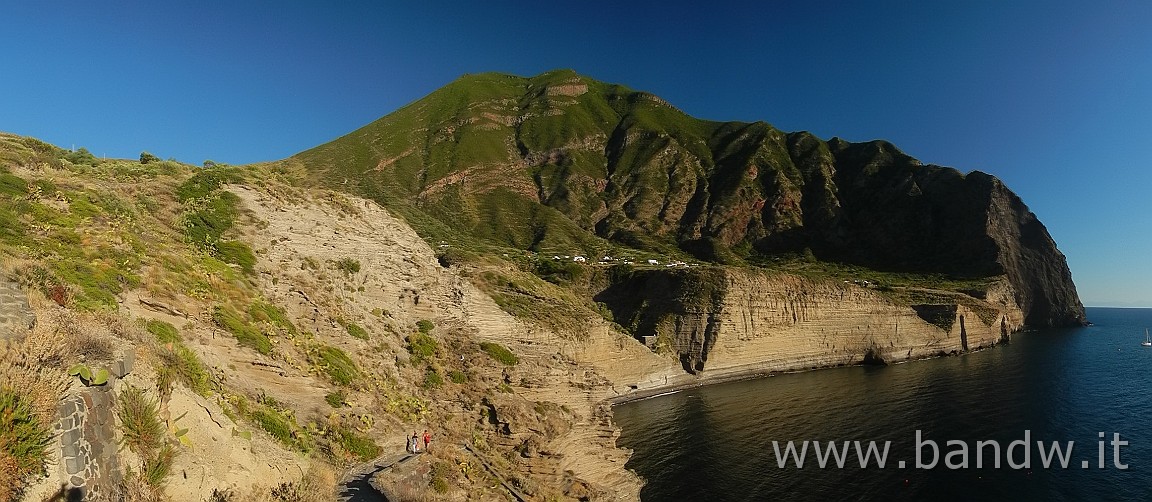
[
  {"x": 579, "y": 259},
  {"x": 653, "y": 262}
]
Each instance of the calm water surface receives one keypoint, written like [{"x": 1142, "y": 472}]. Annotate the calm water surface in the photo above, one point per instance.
[{"x": 715, "y": 443}]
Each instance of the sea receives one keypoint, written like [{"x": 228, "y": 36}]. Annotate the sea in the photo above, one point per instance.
[{"x": 1087, "y": 390}]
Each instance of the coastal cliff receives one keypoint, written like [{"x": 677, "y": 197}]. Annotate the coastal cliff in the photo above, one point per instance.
[{"x": 736, "y": 320}]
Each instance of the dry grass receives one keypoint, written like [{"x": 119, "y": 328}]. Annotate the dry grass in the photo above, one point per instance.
[
  {"x": 62, "y": 337},
  {"x": 26, "y": 423},
  {"x": 135, "y": 487},
  {"x": 317, "y": 485},
  {"x": 10, "y": 482},
  {"x": 36, "y": 367}
]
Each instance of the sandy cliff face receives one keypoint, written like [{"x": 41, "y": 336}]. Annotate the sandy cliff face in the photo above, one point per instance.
[
  {"x": 400, "y": 282},
  {"x": 723, "y": 321},
  {"x": 794, "y": 323}
]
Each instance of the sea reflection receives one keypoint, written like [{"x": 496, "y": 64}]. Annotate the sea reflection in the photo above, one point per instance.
[{"x": 716, "y": 443}]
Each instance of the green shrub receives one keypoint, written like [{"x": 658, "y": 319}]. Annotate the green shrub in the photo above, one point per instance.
[
  {"x": 11, "y": 229},
  {"x": 425, "y": 326},
  {"x": 269, "y": 401},
  {"x": 157, "y": 468},
  {"x": 99, "y": 282},
  {"x": 605, "y": 312},
  {"x": 237, "y": 253},
  {"x": 558, "y": 271},
  {"x": 457, "y": 376},
  {"x": 348, "y": 265},
  {"x": 146, "y": 158},
  {"x": 362, "y": 447},
  {"x": 421, "y": 346},
  {"x": 355, "y": 330},
  {"x": 140, "y": 423},
  {"x": 206, "y": 181},
  {"x": 499, "y": 353},
  {"x": 82, "y": 157},
  {"x": 440, "y": 485},
  {"x": 275, "y": 424},
  {"x": 205, "y": 220},
  {"x": 441, "y": 472},
  {"x": 181, "y": 363},
  {"x": 432, "y": 379},
  {"x": 13, "y": 185},
  {"x": 266, "y": 312},
  {"x": 24, "y": 440},
  {"x": 336, "y": 399},
  {"x": 164, "y": 332},
  {"x": 339, "y": 367},
  {"x": 245, "y": 333}
]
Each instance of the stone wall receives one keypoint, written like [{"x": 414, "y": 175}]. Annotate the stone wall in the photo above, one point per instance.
[
  {"x": 88, "y": 442},
  {"x": 16, "y": 316}
]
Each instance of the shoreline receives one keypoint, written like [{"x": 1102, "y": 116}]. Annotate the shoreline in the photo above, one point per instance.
[{"x": 756, "y": 371}]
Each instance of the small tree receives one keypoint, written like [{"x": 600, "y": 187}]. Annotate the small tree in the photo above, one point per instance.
[
  {"x": 146, "y": 158},
  {"x": 81, "y": 156}
]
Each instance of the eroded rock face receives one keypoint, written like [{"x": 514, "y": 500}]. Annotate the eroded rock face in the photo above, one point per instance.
[
  {"x": 909, "y": 217},
  {"x": 1037, "y": 270},
  {"x": 728, "y": 319}
]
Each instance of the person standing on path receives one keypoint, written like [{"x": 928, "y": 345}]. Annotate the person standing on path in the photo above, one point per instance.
[
  {"x": 427, "y": 438},
  {"x": 415, "y": 442}
]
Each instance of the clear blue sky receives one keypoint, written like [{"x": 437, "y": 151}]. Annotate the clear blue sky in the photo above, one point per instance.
[{"x": 1053, "y": 97}]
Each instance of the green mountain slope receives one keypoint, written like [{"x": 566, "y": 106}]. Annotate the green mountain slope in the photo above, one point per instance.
[{"x": 560, "y": 162}]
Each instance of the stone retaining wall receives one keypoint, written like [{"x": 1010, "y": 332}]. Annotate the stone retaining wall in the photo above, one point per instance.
[
  {"x": 16, "y": 316},
  {"x": 87, "y": 430}
]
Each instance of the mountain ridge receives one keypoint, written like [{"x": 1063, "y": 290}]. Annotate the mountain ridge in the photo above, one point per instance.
[{"x": 560, "y": 161}]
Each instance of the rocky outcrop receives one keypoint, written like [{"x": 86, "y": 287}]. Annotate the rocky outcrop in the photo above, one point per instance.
[
  {"x": 915, "y": 218},
  {"x": 1037, "y": 270},
  {"x": 730, "y": 320}
]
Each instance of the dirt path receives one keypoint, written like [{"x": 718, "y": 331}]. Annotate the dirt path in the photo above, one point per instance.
[{"x": 356, "y": 486}]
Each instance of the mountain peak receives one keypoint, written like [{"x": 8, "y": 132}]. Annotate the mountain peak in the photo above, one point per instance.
[{"x": 561, "y": 162}]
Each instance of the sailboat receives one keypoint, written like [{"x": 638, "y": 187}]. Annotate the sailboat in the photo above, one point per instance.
[{"x": 1147, "y": 341}]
